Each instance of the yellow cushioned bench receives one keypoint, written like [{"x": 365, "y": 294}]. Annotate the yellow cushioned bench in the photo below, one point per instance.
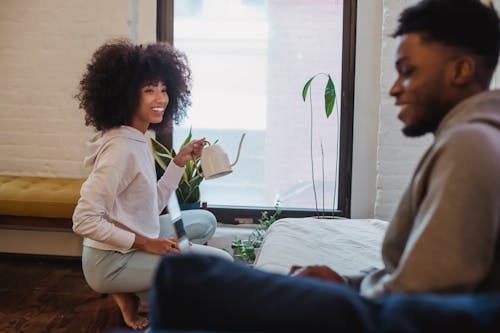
[{"x": 38, "y": 201}]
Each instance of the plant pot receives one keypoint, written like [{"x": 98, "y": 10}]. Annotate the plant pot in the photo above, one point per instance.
[{"x": 189, "y": 205}]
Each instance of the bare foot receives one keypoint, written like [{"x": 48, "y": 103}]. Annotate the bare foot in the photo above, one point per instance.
[
  {"x": 143, "y": 308},
  {"x": 129, "y": 304}
]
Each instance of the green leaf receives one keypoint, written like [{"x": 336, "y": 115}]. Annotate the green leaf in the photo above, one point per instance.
[
  {"x": 195, "y": 181},
  {"x": 188, "y": 138},
  {"x": 188, "y": 190},
  {"x": 188, "y": 169},
  {"x": 329, "y": 96},
  {"x": 161, "y": 154},
  {"x": 306, "y": 88}
]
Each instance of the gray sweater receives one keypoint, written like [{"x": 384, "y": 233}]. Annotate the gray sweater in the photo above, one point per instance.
[{"x": 444, "y": 236}]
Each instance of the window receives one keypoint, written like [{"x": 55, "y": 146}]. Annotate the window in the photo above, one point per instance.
[{"x": 250, "y": 60}]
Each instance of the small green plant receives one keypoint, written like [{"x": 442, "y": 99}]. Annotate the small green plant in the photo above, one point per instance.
[
  {"x": 189, "y": 186},
  {"x": 330, "y": 94},
  {"x": 330, "y": 97},
  {"x": 245, "y": 249}
]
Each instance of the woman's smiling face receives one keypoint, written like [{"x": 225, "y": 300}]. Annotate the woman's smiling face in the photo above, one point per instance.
[{"x": 153, "y": 101}]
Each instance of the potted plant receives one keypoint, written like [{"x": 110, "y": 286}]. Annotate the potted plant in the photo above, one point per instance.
[
  {"x": 246, "y": 250},
  {"x": 330, "y": 97},
  {"x": 188, "y": 192}
]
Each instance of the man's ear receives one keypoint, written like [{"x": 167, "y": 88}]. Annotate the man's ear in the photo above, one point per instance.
[{"x": 464, "y": 70}]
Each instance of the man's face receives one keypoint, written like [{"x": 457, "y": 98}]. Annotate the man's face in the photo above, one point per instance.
[{"x": 421, "y": 89}]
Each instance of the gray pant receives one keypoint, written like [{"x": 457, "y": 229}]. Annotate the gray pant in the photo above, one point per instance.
[{"x": 115, "y": 272}]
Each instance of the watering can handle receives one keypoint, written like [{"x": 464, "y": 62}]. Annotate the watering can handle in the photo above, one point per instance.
[
  {"x": 194, "y": 160},
  {"x": 239, "y": 149}
]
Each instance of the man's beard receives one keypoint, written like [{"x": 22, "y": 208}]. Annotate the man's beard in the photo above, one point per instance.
[
  {"x": 419, "y": 129},
  {"x": 430, "y": 122}
]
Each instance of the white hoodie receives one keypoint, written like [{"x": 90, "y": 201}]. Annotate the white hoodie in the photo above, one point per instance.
[{"x": 121, "y": 196}]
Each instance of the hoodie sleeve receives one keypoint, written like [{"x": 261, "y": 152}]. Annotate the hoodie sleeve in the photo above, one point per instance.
[
  {"x": 168, "y": 183},
  {"x": 452, "y": 244},
  {"x": 97, "y": 196}
]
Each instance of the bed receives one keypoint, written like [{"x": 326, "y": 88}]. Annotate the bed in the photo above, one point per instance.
[{"x": 346, "y": 245}]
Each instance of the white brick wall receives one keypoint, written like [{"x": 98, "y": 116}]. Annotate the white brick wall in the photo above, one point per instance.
[
  {"x": 44, "y": 47},
  {"x": 396, "y": 155},
  {"x": 45, "y": 44}
]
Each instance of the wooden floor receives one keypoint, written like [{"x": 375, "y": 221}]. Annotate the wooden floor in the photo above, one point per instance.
[{"x": 50, "y": 295}]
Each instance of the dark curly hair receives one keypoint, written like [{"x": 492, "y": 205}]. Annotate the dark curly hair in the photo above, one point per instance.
[
  {"x": 465, "y": 24},
  {"x": 109, "y": 91}
]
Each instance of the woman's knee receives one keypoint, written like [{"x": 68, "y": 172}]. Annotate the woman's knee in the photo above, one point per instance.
[
  {"x": 200, "y": 225},
  {"x": 96, "y": 282},
  {"x": 110, "y": 271}
]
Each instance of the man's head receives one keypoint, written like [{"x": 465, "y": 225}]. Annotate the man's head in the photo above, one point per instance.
[{"x": 448, "y": 52}]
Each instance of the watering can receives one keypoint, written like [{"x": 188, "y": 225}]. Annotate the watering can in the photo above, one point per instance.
[{"x": 214, "y": 161}]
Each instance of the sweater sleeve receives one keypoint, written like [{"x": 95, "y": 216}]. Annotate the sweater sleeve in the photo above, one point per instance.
[
  {"x": 168, "y": 183},
  {"x": 97, "y": 196},
  {"x": 452, "y": 243}
]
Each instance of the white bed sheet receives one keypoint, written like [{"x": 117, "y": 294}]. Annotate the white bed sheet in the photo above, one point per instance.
[{"x": 346, "y": 245}]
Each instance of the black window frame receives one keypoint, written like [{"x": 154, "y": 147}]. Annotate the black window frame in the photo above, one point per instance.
[{"x": 229, "y": 214}]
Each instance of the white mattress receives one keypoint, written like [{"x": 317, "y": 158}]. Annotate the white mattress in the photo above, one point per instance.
[{"x": 347, "y": 246}]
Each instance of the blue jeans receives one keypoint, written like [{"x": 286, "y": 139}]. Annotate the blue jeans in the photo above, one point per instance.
[{"x": 206, "y": 293}]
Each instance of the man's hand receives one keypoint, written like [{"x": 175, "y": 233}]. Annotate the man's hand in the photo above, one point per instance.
[
  {"x": 156, "y": 245},
  {"x": 317, "y": 271}
]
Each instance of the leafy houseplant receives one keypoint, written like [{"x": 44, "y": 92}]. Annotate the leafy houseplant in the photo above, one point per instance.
[
  {"x": 245, "y": 249},
  {"x": 330, "y": 96},
  {"x": 188, "y": 191}
]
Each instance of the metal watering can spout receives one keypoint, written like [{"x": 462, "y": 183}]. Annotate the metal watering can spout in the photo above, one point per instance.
[{"x": 239, "y": 149}]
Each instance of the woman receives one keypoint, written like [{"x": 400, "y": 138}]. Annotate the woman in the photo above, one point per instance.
[{"x": 126, "y": 90}]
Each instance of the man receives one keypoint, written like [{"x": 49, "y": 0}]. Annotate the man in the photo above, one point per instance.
[{"x": 444, "y": 236}]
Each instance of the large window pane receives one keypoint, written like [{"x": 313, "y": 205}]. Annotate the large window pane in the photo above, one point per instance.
[{"x": 250, "y": 60}]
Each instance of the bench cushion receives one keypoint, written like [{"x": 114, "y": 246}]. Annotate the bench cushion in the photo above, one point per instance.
[{"x": 39, "y": 196}]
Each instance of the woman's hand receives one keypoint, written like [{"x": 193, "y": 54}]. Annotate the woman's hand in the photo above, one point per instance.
[
  {"x": 189, "y": 152},
  {"x": 156, "y": 245}
]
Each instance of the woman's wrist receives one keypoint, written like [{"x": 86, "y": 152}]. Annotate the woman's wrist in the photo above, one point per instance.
[
  {"x": 139, "y": 242},
  {"x": 179, "y": 162}
]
